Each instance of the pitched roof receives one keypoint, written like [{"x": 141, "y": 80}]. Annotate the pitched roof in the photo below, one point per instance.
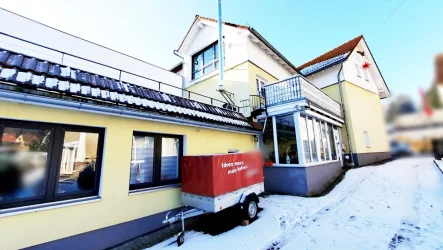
[
  {"x": 252, "y": 30},
  {"x": 31, "y": 73},
  {"x": 330, "y": 58}
]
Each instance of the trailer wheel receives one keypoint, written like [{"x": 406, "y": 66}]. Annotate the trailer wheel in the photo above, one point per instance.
[
  {"x": 181, "y": 239},
  {"x": 250, "y": 208}
]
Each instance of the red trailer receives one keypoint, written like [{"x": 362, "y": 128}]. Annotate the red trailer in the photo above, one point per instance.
[{"x": 211, "y": 183}]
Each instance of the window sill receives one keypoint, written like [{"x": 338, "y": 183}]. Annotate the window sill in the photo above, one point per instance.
[
  {"x": 154, "y": 189},
  {"x": 47, "y": 206},
  {"x": 312, "y": 164}
]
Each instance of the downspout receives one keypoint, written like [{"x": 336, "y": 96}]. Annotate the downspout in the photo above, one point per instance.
[
  {"x": 344, "y": 112},
  {"x": 183, "y": 62},
  {"x": 177, "y": 54}
]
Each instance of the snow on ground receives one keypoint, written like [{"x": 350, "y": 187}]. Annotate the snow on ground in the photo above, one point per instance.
[{"x": 398, "y": 205}]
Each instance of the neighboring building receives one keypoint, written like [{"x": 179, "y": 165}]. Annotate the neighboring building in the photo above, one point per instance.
[
  {"x": 417, "y": 129},
  {"x": 302, "y": 124},
  {"x": 103, "y": 162},
  {"x": 350, "y": 75}
]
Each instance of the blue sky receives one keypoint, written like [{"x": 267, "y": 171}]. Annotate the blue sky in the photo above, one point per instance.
[{"x": 404, "y": 45}]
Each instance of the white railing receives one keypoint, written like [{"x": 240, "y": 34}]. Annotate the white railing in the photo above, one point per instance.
[{"x": 298, "y": 87}]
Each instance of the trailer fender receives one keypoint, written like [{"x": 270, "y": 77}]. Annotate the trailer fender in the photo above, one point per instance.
[{"x": 248, "y": 194}]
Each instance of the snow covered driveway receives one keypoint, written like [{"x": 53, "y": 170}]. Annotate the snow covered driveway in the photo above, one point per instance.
[{"x": 398, "y": 205}]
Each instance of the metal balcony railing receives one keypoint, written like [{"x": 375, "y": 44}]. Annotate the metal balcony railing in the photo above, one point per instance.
[
  {"x": 254, "y": 103},
  {"x": 294, "y": 88}
]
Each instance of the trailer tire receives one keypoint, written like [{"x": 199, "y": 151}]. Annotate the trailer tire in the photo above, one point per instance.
[
  {"x": 181, "y": 239},
  {"x": 250, "y": 208}
]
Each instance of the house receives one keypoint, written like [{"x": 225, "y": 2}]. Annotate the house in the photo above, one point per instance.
[
  {"x": 311, "y": 116},
  {"x": 350, "y": 75},
  {"x": 111, "y": 138},
  {"x": 250, "y": 62}
]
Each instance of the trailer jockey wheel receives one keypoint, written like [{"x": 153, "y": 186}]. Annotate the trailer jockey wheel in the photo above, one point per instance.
[
  {"x": 250, "y": 208},
  {"x": 181, "y": 239}
]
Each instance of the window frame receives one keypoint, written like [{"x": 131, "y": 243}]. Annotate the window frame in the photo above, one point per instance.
[
  {"x": 260, "y": 83},
  {"x": 213, "y": 62},
  {"x": 358, "y": 69},
  {"x": 367, "y": 139},
  {"x": 53, "y": 163},
  {"x": 156, "y": 178}
]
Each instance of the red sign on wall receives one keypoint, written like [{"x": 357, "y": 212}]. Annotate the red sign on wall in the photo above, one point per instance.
[{"x": 214, "y": 175}]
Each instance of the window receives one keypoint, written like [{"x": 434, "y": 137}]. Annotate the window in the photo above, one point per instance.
[
  {"x": 260, "y": 84},
  {"x": 205, "y": 61},
  {"x": 358, "y": 70},
  {"x": 286, "y": 139},
  {"x": 155, "y": 160},
  {"x": 319, "y": 140},
  {"x": 366, "y": 73},
  {"x": 267, "y": 140},
  {"x": 325, "y": 140},
  {"x": 367, "y": 141},
  {"x": 304, "y": 138},
  {"x": 41, "y": 163},
  {"x": 312, "y": 139},
  {"x": 332, "y": 142}
]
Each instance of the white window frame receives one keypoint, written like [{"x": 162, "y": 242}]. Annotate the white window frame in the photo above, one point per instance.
[
  {"x": 358, "y": 69},
  {"x": 213, "y": 62},
  {"x": 367, "y": 139},
  {"x": 300, "y": 149},
  {"x": 260, "y": 82}
]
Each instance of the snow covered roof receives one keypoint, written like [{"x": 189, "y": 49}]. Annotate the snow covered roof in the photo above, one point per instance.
[{"x": 32, "y": 73}]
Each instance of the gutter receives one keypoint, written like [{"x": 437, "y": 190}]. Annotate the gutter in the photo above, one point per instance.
[
  {"x": 90, "y": 108},
  {"x": 343, "y": 107}
]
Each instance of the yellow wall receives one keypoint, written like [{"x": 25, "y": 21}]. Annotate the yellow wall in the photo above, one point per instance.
[
  {"x": 253, "y": 72},
  {"x": 363, "y": 113},
  {"x": 235, "y": 81},
  {"x": 23, "y": 230},
  {"x": 239, "y": 80}
]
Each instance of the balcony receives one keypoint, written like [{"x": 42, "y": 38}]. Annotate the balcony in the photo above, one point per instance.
[{"x": 298, "y": 89}]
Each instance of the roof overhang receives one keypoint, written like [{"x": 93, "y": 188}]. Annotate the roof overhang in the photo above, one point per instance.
[
  {"x": 382, "y": 87},
  {"x": 200, "y": 22},
  {"x": 272, "y": 51}
]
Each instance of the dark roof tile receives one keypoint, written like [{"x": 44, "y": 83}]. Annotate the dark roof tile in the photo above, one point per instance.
[
  {"x": 29, "y": 63},
  {"x": 54, "y": 70},
  {"x": 29, "y": 71},
  {"x": 14, "y": 60},
  {"x": 4, "y": 55}
]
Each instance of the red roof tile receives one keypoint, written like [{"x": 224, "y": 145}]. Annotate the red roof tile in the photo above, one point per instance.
[{"x": 340, "y": 50}]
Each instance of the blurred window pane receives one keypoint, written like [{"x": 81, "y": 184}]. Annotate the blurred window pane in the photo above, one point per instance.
[
  {"x": 170, "y": 158},
  {"x": 43, "y": 163},
  {"x": 77, "y": 166},
  {"x": 23, "y": 163},
  {"x": 142, "y": 160}
]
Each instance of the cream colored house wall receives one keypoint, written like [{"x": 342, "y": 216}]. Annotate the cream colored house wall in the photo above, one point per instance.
[
  {"x": 116, "y": 205},
  {"x": 363, "y": 113}
]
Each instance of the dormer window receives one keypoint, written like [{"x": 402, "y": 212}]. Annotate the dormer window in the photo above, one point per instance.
[{"x": 205, "y": 61}]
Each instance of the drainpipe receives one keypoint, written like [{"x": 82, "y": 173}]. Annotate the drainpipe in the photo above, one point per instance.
[
  {"x": 183, "y": 62},
  {"x": 177, "y": 54},
  {"x": 344, "y": 113},
  {"x": 220, "y": 45}
]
